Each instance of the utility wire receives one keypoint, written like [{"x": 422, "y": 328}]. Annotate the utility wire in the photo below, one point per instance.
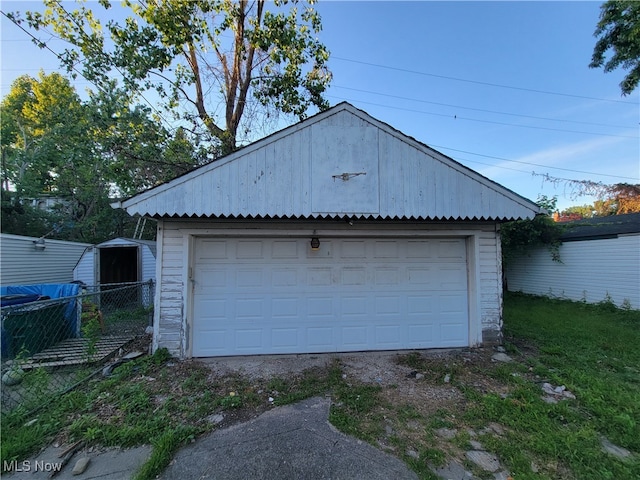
[
  {"x": 531, "y": 163},
  {"x": 415, "y": 72},
  {"x": 483, "y": 110},
  {"x": 458, "y": 117}
]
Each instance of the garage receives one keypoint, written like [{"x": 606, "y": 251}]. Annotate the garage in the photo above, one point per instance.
[
  {"x": 279, "y": 295},
  {"x": 336, "y": 234}
]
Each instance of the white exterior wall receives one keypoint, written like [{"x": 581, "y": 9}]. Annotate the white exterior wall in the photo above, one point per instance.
[
  {"x": 590, "y": 271},
  {"x": 22, "y": 264},
  {"x": 297, "y": 173},
  {"x": 85, "y": 270},
  {"x": 175, "y": 245}
]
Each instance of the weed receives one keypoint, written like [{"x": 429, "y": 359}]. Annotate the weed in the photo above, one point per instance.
[{"x": 231, "y": 401}]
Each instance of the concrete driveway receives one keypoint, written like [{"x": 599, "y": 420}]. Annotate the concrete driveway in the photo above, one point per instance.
[{"x": 291, "y": 442}]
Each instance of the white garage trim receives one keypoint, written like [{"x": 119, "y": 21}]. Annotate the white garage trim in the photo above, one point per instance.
[{"x": 470, "y": 241}]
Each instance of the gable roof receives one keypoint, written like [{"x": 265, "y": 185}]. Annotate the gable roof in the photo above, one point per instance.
[
  {"x": 597, "y": 228},
  {"x": 118, "y": 241},
  {"x": 340, "y": 162}
]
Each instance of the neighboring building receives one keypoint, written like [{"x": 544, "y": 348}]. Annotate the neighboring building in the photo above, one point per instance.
[
  {"x": 47, "y": 203},
  {"x": 600, "y": 259},
  {"x": 120, "y": 260},
  {"x": 30, "y": 260},
  {"x": 339, "y": 233}
]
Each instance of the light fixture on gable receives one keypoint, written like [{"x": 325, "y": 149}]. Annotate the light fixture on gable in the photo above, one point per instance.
[
  {"x": 39, "y": 244},
  {"x": 315, "y": 243}
]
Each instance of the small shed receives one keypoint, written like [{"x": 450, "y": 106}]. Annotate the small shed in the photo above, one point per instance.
[
  {"x": 30, "y": 260},
  {"x": 336, "y": 234},
  {"x": 599, "y": 260},
  {"x": 120, "y": 260}
]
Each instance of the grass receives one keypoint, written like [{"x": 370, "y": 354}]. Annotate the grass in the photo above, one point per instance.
[{"x": 592, "y": 350}]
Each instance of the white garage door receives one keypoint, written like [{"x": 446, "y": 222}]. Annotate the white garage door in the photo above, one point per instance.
[{"x": 277, "y": 295}]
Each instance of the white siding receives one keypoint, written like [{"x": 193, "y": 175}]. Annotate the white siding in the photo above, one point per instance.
[
  {"x": 85, "y": 270},
  {"x": 491, "y": 284},
  {"x": 170, "y": 332},
  {"x": 22, "y": 264},
  {"x": 296, "y": 173},
  {"x": 172, "y": 324},
  {"x": 148, "y": 264},
  {"x": 590, "y": 271}
]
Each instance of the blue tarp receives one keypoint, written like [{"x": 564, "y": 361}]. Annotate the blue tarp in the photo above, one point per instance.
[{"x": 53, "y": 291}]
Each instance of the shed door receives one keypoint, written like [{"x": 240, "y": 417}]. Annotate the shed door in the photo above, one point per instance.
[
  {"x": 277, "y": 295},
  {"x": 119, "y": 264}
]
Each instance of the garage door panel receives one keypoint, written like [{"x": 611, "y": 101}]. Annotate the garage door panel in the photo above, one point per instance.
[
  {"x": 249, "y": 339},
  {"x": 319, "y": 276},
  {"x": 211, "y": 250},
  {"x": 320, "y": 338},
  {"x": 249, "y": 278},
  {"x": 387, "y": 305},
  {"x": 353, "y": 276},
  {"x": 249, "y": 308},
  {"x": 355, "y": 337},
  {"x": 421, "y": 334},
  {"x": 284, "y": 277},
  {"x": 387, "y": 276},
  {"x": 387, "y": 336},
  {"x": 420, "y": 308},
  {"x": 278, "y": 296},
  {"x": 354, "y": 307},
  {"x": 208, "y": 278},
  {"x": 285, "y": 249},
  {"x": 385, "y": 249},
  {"x": 285, "y": 339},
  {"x": 285, "y": 308},
  {"x": 251, "y": 249},
  {"x": 451, "y": 249},
  {"x": 353, "y": 249},
  {"x": 450, "y": 334},
  {"x": 420, "y": 249}
]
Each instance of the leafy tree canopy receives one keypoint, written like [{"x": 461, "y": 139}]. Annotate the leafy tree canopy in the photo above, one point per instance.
[
  {"x": 215, "y": 62},
  {"x": 80, "y": 153},
  {"x": 618, "y": 31}
]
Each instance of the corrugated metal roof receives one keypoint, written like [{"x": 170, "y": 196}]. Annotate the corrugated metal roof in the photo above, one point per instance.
[{"x": 339, "y": 163}]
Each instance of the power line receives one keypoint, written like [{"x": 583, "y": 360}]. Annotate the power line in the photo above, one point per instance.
[
  {"x": 531, "y": 163},
  {"x": 481, "y": 109},
  {"x": 458, "y": 117},
  {"x": 415, "y": 72}
]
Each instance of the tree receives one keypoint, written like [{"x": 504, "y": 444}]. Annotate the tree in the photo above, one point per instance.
[
  {"x": 585, "y": 211},
  {"x": 81, "y": 153},
  {"x": 619, "y": 30},
  {"x": 521, "y": 235},
  {"x": 220, "y": 58},
  {"x": 611, "y": 199}
]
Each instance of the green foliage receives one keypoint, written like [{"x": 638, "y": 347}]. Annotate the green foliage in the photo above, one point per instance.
[
  {"x": 588, "y": 348},
  {"x": 80, "y": 153},
  {"x": 182, "y": 49},
  {"x": 521, "y": 235},
  {"x": 619, "y": 31}
]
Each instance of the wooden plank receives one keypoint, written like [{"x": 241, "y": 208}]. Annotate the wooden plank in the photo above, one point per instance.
[{"x": 73, "y": 351}]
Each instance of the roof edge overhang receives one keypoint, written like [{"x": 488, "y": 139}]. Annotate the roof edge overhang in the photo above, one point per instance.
[{"x": 333, "y": 217}]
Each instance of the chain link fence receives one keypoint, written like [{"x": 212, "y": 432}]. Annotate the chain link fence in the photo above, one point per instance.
[{"x": 50, "y": 346}]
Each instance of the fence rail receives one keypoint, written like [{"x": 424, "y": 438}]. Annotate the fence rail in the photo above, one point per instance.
[{"x": 49, "y": 345}]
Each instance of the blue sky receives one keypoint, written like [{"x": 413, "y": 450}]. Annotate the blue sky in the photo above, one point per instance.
[{"x": 469, "y": 79}]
